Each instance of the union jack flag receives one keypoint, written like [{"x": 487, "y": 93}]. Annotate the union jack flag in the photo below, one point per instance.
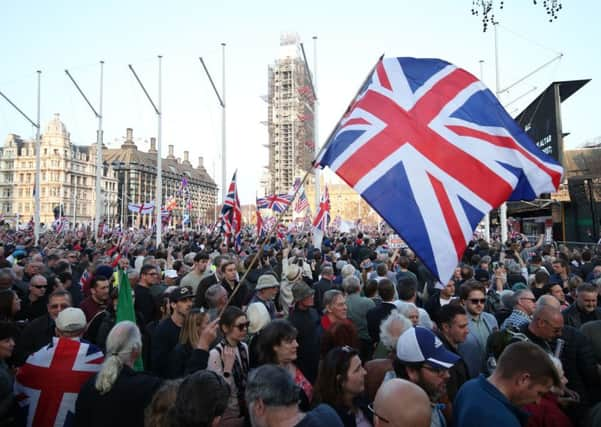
[
  {"x": 268, "y": 223},
  {"x": 231, "y": 213},
  {"x": 60, "y": 224},
  {"x": 48, "y": 383},
  {"x": 322, "y": 217},
  {"x": 302, "y": 202},
  {"x": 431, "y": 149},
  {"x": 275, "y": 202}
]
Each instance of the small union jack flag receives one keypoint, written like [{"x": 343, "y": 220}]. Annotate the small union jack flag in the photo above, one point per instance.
[
  {"x": 275, "y": 202},
  {"x": 322, "y": 218},
  {"x": 48, "y": 383},
  {"x": 231, "y": 213},
  {"x": 302, "y": 202},
  {"x": 432, "y": 150}
]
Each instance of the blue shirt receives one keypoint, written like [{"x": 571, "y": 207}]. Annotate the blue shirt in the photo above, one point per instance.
[{"x": 480, "y": 403}]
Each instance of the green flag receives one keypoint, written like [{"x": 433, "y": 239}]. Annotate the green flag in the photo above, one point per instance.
[{"x": 125, "y": 308}]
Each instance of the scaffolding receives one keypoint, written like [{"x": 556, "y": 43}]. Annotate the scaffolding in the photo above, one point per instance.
[{"x": 290, "y": 117}]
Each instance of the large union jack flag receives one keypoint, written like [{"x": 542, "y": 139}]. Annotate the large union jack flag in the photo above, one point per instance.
[
  {"x": 231, "y": 212},
  {"x": 48, "y": 383},
  {"x": 322, "y": 217},
  {"x": 275, "y": 202},
  {"x": 432, "y": 150}
]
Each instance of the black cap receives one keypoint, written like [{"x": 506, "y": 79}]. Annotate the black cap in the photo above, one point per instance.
[{"x": 180, "y": 294}]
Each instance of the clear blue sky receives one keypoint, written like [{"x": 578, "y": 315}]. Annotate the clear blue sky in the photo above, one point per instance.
[{"x": 52, "y": 36}]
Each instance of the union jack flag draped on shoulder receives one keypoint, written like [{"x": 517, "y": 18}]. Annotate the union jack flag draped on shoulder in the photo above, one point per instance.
[
  {"x": 275, "y": 202},
  {"x": 231, "y": 213},
  {"x": 432, "y": 150},
  {"x": 48, "y": 383},
  {"x": 322, "y": 217}
]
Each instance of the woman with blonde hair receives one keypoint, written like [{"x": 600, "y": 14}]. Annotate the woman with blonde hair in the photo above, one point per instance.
[
  {"x": 191, "y": 354},
  {"x": 117, "y": 385}
]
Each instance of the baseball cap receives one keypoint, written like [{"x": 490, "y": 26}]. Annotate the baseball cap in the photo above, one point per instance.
[
  {"x": 180, "y": 294},
  {"x": 71, "y": 319},
  {"x": 170, "y": 274},
  {"x": 420, "y": 344}
]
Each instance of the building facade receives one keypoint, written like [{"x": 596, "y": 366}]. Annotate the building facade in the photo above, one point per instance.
[
  {"x": 290, "y": 117},
  {"x": 137, "y": 172},
  {"x": 68, "y": 178}
]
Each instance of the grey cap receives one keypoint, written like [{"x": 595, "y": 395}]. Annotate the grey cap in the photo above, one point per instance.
[{"x": 300, "y": 291}]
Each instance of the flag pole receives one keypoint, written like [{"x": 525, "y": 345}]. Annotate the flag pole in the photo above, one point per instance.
[
  {"x": 486, "y": 219},
  {"x": 38, "y": 173},
  {"x": 281, "y": 214},
  {"x": 316, "y": 122},
  {"x": 503, "y": 208},
  {"x": 159, "y": 181}
]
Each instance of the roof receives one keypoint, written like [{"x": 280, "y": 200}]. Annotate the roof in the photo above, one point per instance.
[{"x": 131, "y": 155}]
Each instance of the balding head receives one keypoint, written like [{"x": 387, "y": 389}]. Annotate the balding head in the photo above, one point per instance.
[
  {"x": 548, "y": 300},
  {"x": 386, "y": 405},
  {"x": 547, "y": 322}
]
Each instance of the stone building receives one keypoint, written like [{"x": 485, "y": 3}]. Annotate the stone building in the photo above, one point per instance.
[
  {"x": 68, "y": 178},
  {"x": 136, "y": 173}
]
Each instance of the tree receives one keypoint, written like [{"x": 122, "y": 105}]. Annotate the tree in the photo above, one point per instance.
[{"x": 486, "y": 9}]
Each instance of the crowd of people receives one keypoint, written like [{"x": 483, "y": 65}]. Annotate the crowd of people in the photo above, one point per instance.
[{"x": 353, "y": 333}]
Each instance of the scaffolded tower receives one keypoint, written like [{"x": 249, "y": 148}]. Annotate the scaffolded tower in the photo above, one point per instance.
[{"x": 290, "y": 117}]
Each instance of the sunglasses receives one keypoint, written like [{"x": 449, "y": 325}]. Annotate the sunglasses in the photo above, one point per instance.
[
  {"x": 242, "y": 326},
  {"x": 435, "y": 369},
  {"x": 373, "y": 411},
  {"x": 478, "y": 300},
  {"x": 40, "y": 286},
  {"x": 60, "y": 306}
]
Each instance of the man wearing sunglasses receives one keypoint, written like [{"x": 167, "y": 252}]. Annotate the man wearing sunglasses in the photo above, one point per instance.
[
  {"x": 40, "y": 331},
  {"x": 480, "y": 323},
  {"x": 34, "y": 304},
  {"x": 422, "y": 359}
]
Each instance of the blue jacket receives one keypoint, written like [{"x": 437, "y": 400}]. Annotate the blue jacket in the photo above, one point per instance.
[
  {"x": 480, "y": 403},
  {"x": 471, "y": 351}
]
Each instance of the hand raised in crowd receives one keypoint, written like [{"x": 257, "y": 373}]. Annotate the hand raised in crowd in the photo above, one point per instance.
[
  {"x": 207, "y": 336},
  {"x": 229, "y": 357}
]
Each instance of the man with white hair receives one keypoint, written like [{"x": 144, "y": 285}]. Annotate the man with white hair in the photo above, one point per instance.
[
  {"x": 272, "y": 398},
  {"x": 52, "y": 377}
]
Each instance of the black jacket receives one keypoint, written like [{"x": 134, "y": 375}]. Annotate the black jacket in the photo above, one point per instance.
[
  {"x": 206, "y": 283},
  {"x": 572, "y": 316},
  {"x": 164, "y": 340},
  {"x": 348, "y": 418},
  {"x": 34, "y": 336},
  {"x": 375, "y": 317},
  {"x": 580, "y": 366},
  {"x": 241, "y": 294},
  {"x": 306, "y": 323},
  {"x": 122, "y": 406},
  {"x": 321, "y": 288},
  {"x": 184, "y": 360},
  {"x": 458, "y": 372}
]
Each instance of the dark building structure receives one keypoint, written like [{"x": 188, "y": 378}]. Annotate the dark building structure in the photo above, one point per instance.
[{"x": 137, "y": 172}]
